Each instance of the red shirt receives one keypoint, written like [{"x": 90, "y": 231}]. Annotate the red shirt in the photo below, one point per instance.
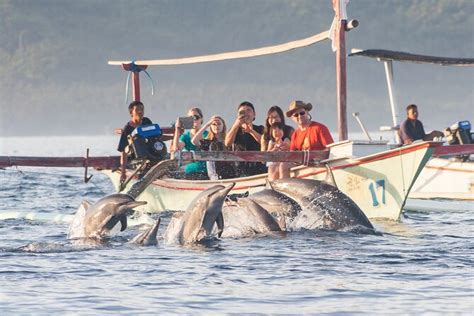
[{"x": 315, "y": 137}]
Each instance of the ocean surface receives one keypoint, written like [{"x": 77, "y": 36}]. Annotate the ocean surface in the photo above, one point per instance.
[{"x": 422, "y": 264}]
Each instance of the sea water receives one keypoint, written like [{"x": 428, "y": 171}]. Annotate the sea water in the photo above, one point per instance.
[{"x": 421, "y": 264}]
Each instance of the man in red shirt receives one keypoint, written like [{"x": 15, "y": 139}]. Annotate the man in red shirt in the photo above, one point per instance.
[{"x": 309, "y": 135}]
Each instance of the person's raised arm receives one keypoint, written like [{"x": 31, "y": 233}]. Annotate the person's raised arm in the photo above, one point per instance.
[
  {"x": 248, "y": 128},
  {"x": 405, "y": 135},
  {"x": 230, "y": 137},
  {"x": 263, "y": 143},
  {"x": 197, "y": 138},
  {"x": 177, "y": 144}
]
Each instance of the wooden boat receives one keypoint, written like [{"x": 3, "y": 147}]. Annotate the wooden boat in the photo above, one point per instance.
[
  {"x": 442, "y": 177},
  {"x": 378, "y": 181}
]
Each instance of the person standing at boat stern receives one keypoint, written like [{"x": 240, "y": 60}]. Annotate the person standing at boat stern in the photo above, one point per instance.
[
  {"x": 309, "y": 135},
  {"x": 137, "y": 112},
  {"x": 243, "y": 136},
  {"x": 195, "y": 170},
  {"x": 412, "y": 129}
]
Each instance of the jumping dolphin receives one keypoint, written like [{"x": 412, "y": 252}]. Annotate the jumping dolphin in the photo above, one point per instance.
[
  {"x": 96, "y": 220},
  {"x": 248, "y": 218},
  {"x": 197, "y": 222},
  {"x": 148, "y": 237},
  {"x": 103, "y": 215},
  {"x": 323, "y": 205}
]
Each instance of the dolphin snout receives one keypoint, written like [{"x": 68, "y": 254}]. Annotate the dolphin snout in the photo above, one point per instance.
[{"x": 133, "y": 204}]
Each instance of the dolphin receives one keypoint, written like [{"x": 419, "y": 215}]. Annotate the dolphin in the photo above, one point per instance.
[
  {"x": 323, "y": 205},
  {"x": 197, "y": 222},
  {"x": 103, "y": 215},
  {"x": 248, "y": 218},
  {"x": 96, "y": 220},
  {"x": 148, "y": 237},
  {"x": 279, "y": 205},
  {"x": 276, "y": 203}
]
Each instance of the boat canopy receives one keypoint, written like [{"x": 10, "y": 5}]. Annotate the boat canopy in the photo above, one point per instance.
[{"x": 382, "y": 54}]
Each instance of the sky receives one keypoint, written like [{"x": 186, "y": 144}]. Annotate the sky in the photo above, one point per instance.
[{"x": 76, "y": 92}]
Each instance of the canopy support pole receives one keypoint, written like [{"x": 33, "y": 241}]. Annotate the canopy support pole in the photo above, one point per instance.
[
  {"x": 135, "y": 69},
  {"x": 340, "y": 39},
  {"x": 393, "y": 101},
  {"x": 136, "y": 85}
]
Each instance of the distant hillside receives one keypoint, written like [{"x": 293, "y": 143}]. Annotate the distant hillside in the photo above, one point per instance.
[{"x": 55, "y": 78}]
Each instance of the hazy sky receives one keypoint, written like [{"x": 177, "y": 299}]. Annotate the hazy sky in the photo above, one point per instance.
[{"x": 58, "y": 52}]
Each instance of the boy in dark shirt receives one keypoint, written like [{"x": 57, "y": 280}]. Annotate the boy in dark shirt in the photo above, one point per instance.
[{"x": 137, "y": 111}]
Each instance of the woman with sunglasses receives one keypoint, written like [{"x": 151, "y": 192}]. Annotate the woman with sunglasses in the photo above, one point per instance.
[
  {"x": 195, "y": 170},
  {"x": 309, "y": 135}
]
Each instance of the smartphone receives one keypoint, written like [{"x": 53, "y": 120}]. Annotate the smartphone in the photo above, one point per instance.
[{"x": 186, "y": 122}]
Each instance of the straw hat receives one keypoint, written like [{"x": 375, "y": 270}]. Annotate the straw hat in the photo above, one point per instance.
[{"x": 296, "y": 105}]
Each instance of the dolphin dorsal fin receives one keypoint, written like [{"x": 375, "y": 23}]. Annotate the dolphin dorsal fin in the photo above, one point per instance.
[{"x": 86, "y": 204}]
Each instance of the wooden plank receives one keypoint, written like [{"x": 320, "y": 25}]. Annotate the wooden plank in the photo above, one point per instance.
[
  {"x": 301, "y": 157},
  {"x": 454, "y": 150},
  {"x": 112, "y": 162},
  {"x": 106, "y": 162}
]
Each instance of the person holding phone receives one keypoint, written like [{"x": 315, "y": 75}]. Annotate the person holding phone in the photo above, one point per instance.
[
  {"x": 214, "y": 141},
  {"x": 195, "y": 170},
  {"x": 243, "y": 136},
  {"x": 137, "y": 112},
  {"x": 309, "y": 135}
]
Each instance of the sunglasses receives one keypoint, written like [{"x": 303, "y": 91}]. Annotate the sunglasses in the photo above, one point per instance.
[
  {"x": 196, "y": 117},
  {"x": 299, "y": 114}
]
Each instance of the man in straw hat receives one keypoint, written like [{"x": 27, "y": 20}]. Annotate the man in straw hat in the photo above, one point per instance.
[{"x": 309, "y": 135}]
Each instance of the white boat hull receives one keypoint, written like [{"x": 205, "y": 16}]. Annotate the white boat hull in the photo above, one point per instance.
[
  {"x": 445, "y": 179},
  {"x": 378, "y": 183}
]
